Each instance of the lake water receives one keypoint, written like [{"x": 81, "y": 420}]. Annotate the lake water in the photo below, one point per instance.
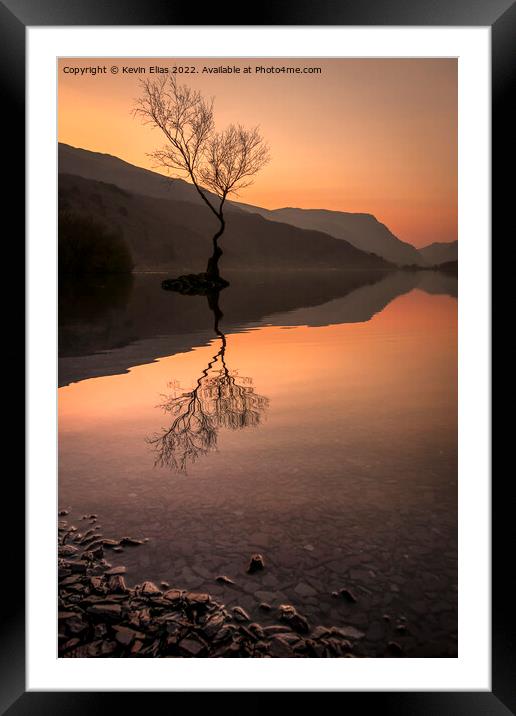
[{"x": 317, "y": 427}]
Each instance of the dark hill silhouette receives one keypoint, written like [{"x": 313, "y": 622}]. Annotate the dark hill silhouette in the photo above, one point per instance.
[
  {"x": 449, "y": 267},
  {"x": 361, "y": 230},
  {"x": 112, "y": 170},
  {"x": 164, "y": 234},
  {"x": 440, "y": 253}
]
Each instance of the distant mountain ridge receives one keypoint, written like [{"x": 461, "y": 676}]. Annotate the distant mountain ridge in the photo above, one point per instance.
[
  {"x": 440, "y": 253},
  {"x": 362, "y": 231},
  {"x": 112, "y": 170}
]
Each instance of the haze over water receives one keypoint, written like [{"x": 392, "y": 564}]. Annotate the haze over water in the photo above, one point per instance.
[{"x": 338, "y": 462}]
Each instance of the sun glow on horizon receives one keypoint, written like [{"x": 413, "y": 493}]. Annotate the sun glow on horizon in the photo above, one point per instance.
[{"x": 364, "y": 136}]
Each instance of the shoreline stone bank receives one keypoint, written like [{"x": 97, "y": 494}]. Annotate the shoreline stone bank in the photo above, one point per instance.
[{"x": 100, "y": 616}]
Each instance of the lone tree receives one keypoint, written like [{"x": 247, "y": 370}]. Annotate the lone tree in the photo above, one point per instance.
[{"x": 221, "y": 162}]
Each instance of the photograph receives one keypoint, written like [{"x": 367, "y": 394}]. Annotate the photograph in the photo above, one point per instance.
[{"x": 257, "y": 357}]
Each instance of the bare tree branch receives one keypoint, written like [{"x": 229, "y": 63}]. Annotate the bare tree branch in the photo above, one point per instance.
[{"x": 223, "y": 162}]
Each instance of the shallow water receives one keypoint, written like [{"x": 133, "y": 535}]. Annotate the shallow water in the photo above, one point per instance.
[{"x": 317, "y": 427}]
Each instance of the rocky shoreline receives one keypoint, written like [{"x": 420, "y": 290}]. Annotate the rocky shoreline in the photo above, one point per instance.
[{"x": 100, "y": 616}]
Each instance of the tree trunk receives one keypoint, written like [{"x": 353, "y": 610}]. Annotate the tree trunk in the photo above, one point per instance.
[{"x": 213, "y": 263}]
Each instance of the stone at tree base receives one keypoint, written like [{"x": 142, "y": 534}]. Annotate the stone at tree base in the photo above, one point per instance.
[{"x": 192, "y": 284}]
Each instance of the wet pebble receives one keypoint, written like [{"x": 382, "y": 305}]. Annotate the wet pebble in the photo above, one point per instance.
[{"x": 224, "y": 580}]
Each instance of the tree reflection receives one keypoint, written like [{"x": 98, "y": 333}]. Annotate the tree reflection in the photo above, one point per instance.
[{"x": 221, "y": 398}]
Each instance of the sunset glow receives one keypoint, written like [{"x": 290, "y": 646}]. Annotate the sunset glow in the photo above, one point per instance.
[{"x": 372, "y": 136}]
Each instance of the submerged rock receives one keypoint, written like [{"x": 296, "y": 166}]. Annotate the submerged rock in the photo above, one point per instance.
[
  {"x": 393, "y": 650},
  {"x": 305, "y": 590},
  {"x": 256, "y": 564},
  {"x": 131, "y": 541},
  {"x": 116, "y": 570},
  {"x": 345, "y": 594},
  {"x": 224, "y": 580},
  {"x": 348, "y": 632}
]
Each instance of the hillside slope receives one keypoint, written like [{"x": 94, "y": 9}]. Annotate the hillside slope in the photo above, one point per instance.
[
  {"x": 363, "y": 231},
  {"x": 440, "y": 253},
  {"x": 164, "y": 234}
]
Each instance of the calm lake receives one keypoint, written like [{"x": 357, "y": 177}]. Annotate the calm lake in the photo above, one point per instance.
[{"x": 316, "y": 424}]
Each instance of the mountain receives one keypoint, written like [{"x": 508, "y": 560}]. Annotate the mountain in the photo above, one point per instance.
[
  {"x": 165, "y": 234},
  {"x": 363, "y": 231},
  {"x": 449, "y": 267},
  {"x": 112, "y": 170},
  {"x": 440, "y": 253}
]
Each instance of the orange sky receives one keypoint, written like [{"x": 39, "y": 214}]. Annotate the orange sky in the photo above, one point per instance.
[{"x": 375, "y": 136}]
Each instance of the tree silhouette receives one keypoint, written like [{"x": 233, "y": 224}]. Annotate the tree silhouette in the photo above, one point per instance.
[
  {"x": 222, "y": 162},
  {"x": 220, "y": 399}
]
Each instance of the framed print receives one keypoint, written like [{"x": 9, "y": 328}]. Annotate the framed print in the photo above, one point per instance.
[{"x": 258, "y": 354}]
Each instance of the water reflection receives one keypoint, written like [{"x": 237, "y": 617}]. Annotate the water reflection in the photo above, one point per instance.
[
  {"x": 142, "y": 322},
  {"x": 351, "y": 481},
  {"x": 221, "y": 398}
]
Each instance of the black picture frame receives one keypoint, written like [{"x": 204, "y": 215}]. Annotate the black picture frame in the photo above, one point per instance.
[{"x": 500, "y": 15}]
